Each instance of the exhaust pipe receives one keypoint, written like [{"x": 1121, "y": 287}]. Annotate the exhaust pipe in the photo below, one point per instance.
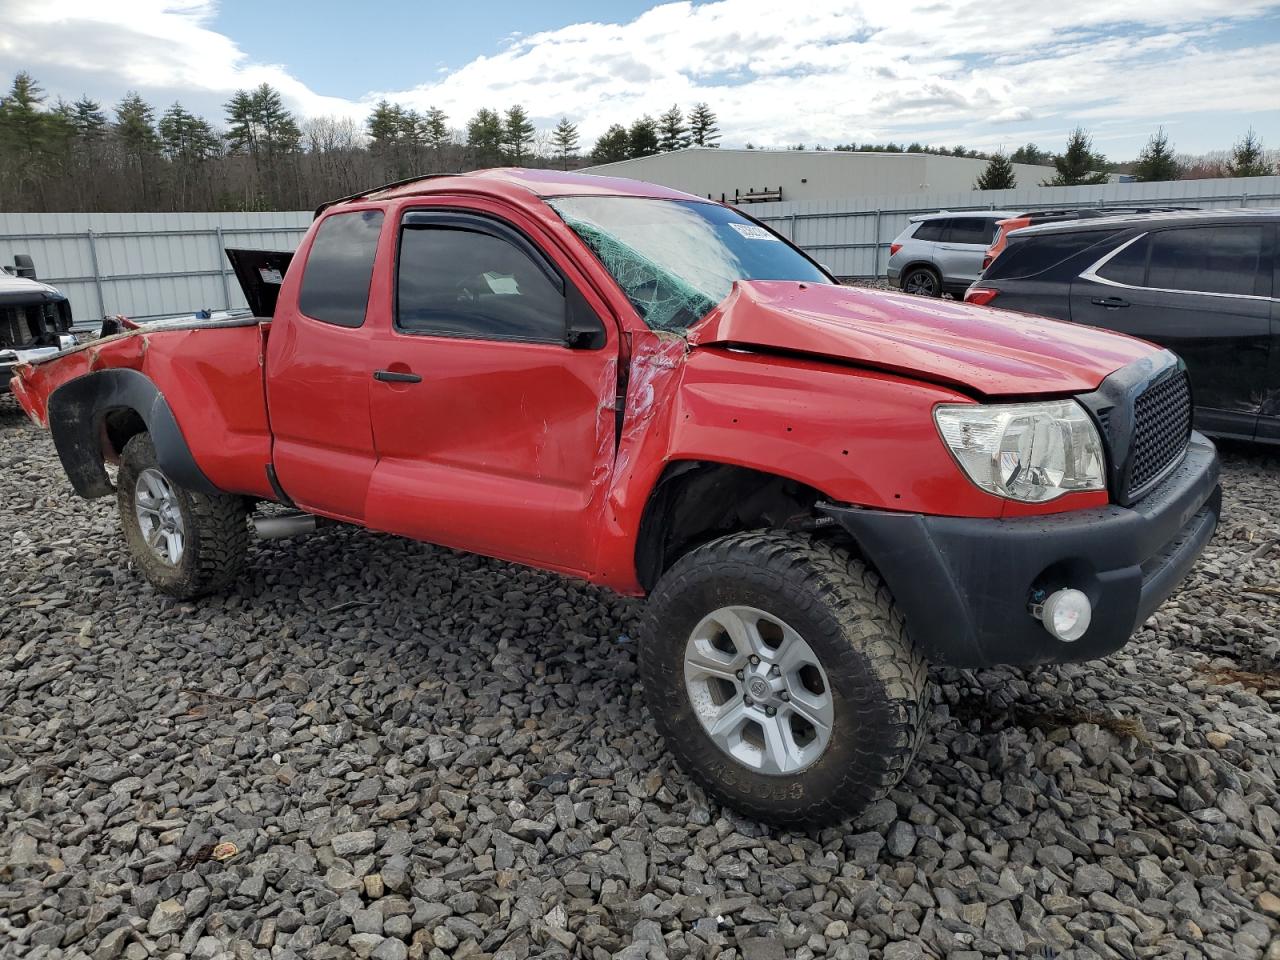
[{"x": 285, "y": 525}]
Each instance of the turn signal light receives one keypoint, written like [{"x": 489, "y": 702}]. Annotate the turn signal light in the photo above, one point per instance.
[
  {"x": 980, "y": 295},
  {"x": 894, "y": 248}
]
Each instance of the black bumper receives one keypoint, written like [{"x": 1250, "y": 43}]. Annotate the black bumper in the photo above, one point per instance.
[{"x": 964, "y": 584}]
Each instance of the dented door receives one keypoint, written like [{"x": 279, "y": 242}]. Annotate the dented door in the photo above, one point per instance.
[{"x": 492, "y": 434}]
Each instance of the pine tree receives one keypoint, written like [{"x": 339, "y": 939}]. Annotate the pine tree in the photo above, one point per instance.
[
  {"x": 1247, "y": 158},
  {"x": 89, "y": 120},
  {"x": 280, "y": 132},
  {"x": 1078, "y": 164},
  {"x": 1031, "y": 154},
  {"x": 23, "y": 125},
  {"x": 998, "y": 175},
  {"x": 434, "y": 128},
  {"x": 386, "y": 125},
  {"x": 565, "y": 139},
  {"x": 643, "y": 137},
  {"x": 186, "y": 138},
  {"x": 703, "y": 131},
  {"x": 517, "y": 134},
  {"x": 485, "y": 135},
  {"x": 259, "y": 124},
  {"x": 1157, "y": 162},
  {"x": 613, "y": 145},
  {"x": 135, "y": 127},
  {"x": 672, "y": 132}
]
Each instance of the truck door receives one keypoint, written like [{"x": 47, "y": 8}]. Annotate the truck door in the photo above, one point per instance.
[
  {"x": 317, "y": 369},
  {"x": 1202, "y": 292},
  {"x": 493, "y": 388}
]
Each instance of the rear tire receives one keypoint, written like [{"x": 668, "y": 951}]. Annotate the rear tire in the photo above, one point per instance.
[
  {"x": 874, "y": 685},
  {"x": 186, "y": 544},
  {"x": 923, "y": 282}
]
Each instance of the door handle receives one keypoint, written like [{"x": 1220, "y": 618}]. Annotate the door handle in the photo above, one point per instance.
[
  {"x": 396, "y": 376},
  {"x": 1111, "y": 303}
]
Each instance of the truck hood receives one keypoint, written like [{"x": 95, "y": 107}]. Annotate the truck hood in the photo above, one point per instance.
[{"x": 987, "y": 351}]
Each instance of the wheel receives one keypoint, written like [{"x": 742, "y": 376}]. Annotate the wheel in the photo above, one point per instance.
[
  {"x": 923, "y": 281},
  {"x": 185, "y": 543},
  {"x": 781, "y": 676}
]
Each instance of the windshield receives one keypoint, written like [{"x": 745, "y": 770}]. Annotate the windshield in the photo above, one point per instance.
[{"x": 676, "y": 259}]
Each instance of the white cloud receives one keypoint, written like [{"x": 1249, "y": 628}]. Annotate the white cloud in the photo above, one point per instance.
[{"x": 826, "y": 71}]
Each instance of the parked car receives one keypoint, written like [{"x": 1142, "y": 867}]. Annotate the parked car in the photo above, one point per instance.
[
  {"x": 942, "y": 252},
  {"x": 1202, "y": 283},
  {"x": 820, "y": 489},
  {"x": 1034, "y": 218},
  {"x": 35, "y": 318}
]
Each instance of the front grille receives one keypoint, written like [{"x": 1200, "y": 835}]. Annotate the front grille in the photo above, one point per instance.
[{"x": 1161, "y": 429}]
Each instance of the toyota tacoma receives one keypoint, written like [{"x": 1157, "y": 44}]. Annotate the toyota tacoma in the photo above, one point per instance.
[{"x": 820, "y": 490}]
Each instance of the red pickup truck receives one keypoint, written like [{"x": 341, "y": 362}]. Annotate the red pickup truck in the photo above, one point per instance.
[{"x": 820, "y": 489}]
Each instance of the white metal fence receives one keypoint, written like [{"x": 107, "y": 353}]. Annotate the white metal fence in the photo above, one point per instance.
[
  {"x": 144, "y": 264},
  {"x": 164, "y": 264},
  {"x": 852, "y": 237}
]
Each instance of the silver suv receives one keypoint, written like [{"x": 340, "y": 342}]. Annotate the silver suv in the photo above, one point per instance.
[{"x": 942, "y": 252}]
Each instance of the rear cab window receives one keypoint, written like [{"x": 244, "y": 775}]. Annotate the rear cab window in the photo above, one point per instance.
[{"x": 335, "y": 281}]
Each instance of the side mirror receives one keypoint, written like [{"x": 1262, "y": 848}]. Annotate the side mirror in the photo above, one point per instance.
[{"x": 582, "y": 328}]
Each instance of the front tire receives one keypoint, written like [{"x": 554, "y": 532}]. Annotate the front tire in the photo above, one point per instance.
[
  {"x": 780, "y": 674},
  {"x": 186, "y": 544}
]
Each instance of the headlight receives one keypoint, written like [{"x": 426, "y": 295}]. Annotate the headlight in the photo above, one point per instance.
[{"x": 1025, "y": 451}]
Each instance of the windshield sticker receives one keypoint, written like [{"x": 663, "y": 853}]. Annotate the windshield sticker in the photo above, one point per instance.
[
  {"x": 270, "y": 275},
  {"x": 752, "y": 232}
]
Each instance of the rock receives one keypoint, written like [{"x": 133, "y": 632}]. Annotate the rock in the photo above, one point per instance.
[
  {"x": 1090, "y": 878},
  {"x": 167, "y": 917},
  {"x": 390, "y": 950},
  {"x": 1269, "y": 904},
  {"x": 354, "y": 844},
  {"x": 901, "y": 840}
]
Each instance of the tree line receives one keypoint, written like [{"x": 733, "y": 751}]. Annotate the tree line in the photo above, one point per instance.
[
  {"x": 261, "y": 156},
  {"x": 1079, "y": 163},
  {"x": 73, "y": 156}
]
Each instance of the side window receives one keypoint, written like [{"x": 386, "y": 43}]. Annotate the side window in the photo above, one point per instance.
[
  {"x": 931, "y": 230},
  {"x": 969, "y": 230},
  {"x": 1129, "y": 266},
  {"x": 457, "y": 282},
  {"x": 1033, "y": 256},
  {"x": 1224, "y": 259},
  {"x": 335, "y": 283}
]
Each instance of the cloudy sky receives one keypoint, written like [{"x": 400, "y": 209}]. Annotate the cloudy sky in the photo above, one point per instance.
[{"x": 981, "y": 73}]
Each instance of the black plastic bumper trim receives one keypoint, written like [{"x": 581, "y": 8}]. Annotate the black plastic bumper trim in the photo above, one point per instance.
[{"x": 963, "y": 584}]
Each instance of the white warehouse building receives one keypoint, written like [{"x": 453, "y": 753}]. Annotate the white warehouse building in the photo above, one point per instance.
[{"x": 755, "y": 176}]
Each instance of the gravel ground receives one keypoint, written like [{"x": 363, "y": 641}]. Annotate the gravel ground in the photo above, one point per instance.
[{"x": 418, "y": 753}]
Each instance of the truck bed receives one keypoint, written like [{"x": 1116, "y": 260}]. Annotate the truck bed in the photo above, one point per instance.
[{"x": 210, "y": 373}]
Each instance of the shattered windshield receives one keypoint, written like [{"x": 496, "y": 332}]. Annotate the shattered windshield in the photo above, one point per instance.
[{"x": 676, "y": 259}]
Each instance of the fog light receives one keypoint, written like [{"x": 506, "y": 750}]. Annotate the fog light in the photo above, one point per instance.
[{"x": 1065, "y": 613}]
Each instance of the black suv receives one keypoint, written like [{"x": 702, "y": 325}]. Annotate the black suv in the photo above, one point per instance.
[{"x": 1205, "y": 284}]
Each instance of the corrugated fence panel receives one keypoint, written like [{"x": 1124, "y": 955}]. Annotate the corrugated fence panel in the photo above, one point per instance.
[
  {"x": 161, "y": 264},
  {"x": 144, "y": 264},
  {"x": 852, "y": 236}
]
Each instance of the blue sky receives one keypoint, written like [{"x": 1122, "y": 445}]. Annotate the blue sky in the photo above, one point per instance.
[{"x": 983, "y": 74}]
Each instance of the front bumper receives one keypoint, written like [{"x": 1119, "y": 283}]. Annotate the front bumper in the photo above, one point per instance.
[{"x": 964, "y": 584}]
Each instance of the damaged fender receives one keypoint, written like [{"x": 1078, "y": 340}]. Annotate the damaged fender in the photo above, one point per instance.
[{"x": 77, "y": 419}]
